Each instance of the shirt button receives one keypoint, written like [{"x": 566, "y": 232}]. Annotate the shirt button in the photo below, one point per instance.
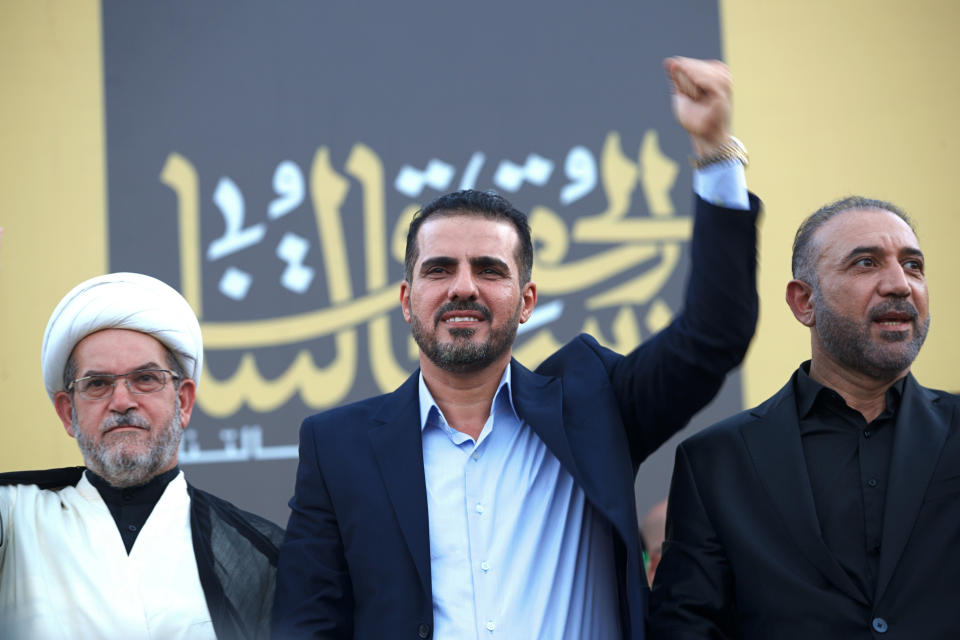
[
  {"x": 872, "y": 482},
  {"x": 879, "y": 625},
  {"x": 479, "y": 508},
  {"x": 476, "y": 455},
  {"x": 423, "y": 631},
  {"x": 485, "y": 566},
  {"x": 867, "y": 433},
  {"x": 491, "y": 625},
  {"x": 132, "y": 527}
]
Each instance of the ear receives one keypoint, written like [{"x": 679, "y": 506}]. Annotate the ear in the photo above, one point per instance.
[
  {"x": 405, "y": 300},
  {"x": 528, "y": 297},
  {"x": 187, "y": 393},
  {"x": 800, "y": 301},
  {"x": 63, "y": 403}
]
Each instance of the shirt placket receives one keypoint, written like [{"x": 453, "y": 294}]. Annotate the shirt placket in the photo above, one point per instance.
[
  {"x": 480, "y": 509},
  {"x": 873, "y": 476}
]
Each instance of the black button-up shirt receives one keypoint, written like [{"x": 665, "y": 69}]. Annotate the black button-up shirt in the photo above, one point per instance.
[
  {"x": 131, "y": 506},
  {"x": 848, "y": 462}
]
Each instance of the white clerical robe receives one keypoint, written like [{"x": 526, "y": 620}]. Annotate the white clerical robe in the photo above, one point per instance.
[{"x": 64, "y": 571}]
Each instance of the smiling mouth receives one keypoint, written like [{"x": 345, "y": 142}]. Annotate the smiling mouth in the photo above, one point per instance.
[{"x": 461, "y": 312}]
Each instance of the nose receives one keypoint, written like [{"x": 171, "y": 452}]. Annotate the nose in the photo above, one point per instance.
[
  {"x": 122, "y": 399},
  {"x": 894, "y": 282},
  {"x": 463, "y": 286}
]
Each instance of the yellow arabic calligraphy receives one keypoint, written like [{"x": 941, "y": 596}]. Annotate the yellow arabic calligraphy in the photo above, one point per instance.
[{"x": 635, "y": 241}]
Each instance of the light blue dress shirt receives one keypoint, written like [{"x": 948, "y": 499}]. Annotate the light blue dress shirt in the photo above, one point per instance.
[
  {"x": 516, "y": 551},
  {"x": 723, "y": 184}
]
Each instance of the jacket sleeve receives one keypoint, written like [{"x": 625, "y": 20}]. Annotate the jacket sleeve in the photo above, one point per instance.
[
  {"x": 693, "y": 592},
  {"x": 661, "y": 384},
  {"x": 314, "y": 596}
]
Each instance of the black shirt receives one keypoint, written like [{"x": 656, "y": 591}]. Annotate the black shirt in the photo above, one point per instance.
[
  {"x": 131, "y": 506},
  {"x": 848, "y": 463}
]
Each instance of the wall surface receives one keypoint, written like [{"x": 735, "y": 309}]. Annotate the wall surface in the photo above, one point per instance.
[
  {"x": 840, "y": 98},
  {"x": 52, "y": 205}
]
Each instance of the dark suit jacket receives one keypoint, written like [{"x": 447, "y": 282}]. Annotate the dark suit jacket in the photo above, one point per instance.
[
  {"x": 744, "y": 557},
  {"x": 356, "y": 560}
]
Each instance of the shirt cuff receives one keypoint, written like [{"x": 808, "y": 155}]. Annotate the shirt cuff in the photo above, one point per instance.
[{"x": 723, "y": 184}]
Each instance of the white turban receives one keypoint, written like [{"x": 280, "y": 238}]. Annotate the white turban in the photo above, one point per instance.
[{"x": 121, "y": 301}]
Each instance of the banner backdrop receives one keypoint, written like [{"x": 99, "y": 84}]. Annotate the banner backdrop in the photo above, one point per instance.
[{"x": 265, "y": 159}]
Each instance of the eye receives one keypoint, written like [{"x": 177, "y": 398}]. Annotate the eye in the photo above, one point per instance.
[
  {"x": 96, "y": 382},
  {"x": 146, "y": 377},
  {"x": 913, "y": 265},
  {"x": 865, "y": 261}
]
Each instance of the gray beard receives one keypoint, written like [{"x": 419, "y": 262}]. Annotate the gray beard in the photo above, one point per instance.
[
  {"x": 463, "y": 356},
  {"x": 851, "y": 344},
  {"x": 122, "y": 468}
]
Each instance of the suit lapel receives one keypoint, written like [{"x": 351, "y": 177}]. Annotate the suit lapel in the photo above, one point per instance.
[
  {"x": 773, "y": 441},
  {"x": 395, "y": 437},
  {"x": 539, "y": 402},
  {"x": 919, "y": 434}
]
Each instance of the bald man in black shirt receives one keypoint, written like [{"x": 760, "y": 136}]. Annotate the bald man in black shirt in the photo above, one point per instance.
[{"x": 833, "y": 509}]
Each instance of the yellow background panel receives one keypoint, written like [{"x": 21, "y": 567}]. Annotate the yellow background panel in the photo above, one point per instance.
[
  {"x": 837, "y": 98},
  {"x": 52, "y": 205}
]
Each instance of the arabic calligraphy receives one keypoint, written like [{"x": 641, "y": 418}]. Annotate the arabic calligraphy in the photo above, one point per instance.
[{"x": 649, "y": 246}]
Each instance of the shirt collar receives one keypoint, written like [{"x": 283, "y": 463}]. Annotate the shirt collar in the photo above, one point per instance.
[
  {"x": 809, "y": 391},
  {"x": 149, "y": 492},
  {"x": 428, "y": 405}
]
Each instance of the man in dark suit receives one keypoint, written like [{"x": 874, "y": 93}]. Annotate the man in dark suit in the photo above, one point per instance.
[
  {"x": 483, "y": 499},
  {"x": 831, "y": 510}
]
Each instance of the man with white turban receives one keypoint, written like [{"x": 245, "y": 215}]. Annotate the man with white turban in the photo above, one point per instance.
[{"x": 124, "y": 547}]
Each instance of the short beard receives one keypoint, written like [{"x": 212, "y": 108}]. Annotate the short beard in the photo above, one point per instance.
[
  {"x": 851, "y": 343},
  {"x": 462, "y": 355},
  {"x": 122, "y": 468}
]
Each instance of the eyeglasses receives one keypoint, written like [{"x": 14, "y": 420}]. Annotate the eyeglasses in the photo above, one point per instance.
[{"x": 139, "y": 381}]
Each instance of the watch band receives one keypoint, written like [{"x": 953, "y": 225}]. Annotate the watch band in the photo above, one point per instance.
[{"x": 731, "y": 150}]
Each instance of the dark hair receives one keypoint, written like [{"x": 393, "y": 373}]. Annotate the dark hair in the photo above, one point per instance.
[
  {"x": 486, "y": 204},
  {"x": 804, "y": 260}
]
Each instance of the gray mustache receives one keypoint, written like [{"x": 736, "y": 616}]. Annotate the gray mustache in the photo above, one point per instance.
[
  {"x": 131, "y": 418},
  {"x": 894, "y": 306}
]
